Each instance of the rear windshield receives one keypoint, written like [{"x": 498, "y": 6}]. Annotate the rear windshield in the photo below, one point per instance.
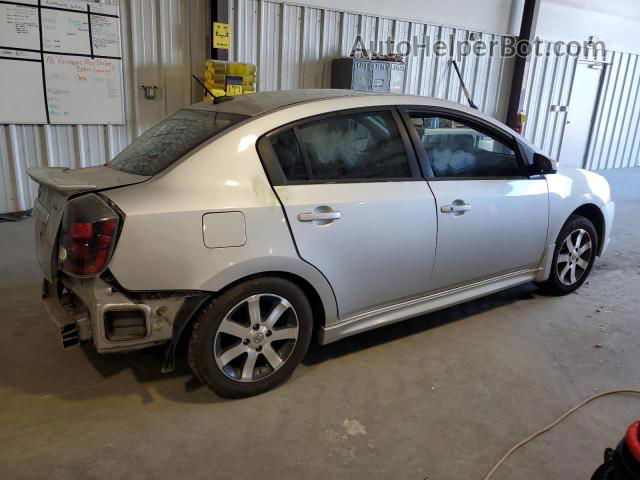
[{"x": 171, "y": 139}]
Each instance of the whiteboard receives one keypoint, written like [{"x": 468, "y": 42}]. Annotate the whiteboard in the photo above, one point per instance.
[
  {"x": 83, "y": 89},
  {"x": 64, "y": 31},
  {"x": 106, "y": 35},
  {"x": 60, "y": 63},
  {"x": 24, "y": 105},
  {"x": 19, "y": 26}
]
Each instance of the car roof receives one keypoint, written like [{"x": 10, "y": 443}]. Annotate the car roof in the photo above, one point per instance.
[{"x": 261, "y": 102}]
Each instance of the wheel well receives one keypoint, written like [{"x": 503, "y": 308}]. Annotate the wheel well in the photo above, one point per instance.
[
  {"x": 594, "y": 214},
  {"x": 317, "y": 309}
]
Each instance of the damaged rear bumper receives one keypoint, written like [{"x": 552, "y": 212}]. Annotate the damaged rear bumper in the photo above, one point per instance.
[
  {"x": 72, "y": 322},
  {"x": 90, "y": 310}
]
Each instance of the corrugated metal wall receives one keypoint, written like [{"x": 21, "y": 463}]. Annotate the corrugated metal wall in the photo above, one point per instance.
[
  {"x": 163, "y": 42},
  {"x": 615, "y": 141},
  {"x": 293, "y": 46},
  {"x": 548, "y": 83}
]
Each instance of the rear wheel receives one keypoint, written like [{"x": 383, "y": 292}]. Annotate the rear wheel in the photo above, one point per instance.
[
  {"x": 573, "y": 257},
  {"x": 251, "y": 338}
]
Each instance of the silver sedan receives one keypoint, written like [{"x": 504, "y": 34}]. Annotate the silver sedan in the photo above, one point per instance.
[{"x": 244, "y": 226}]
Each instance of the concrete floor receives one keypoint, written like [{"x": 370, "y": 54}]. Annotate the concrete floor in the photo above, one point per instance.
[{"x": 439, "y": 397}]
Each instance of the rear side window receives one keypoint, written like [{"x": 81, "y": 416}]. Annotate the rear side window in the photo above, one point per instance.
[
  {"x": 355, "y": 147},
  {"x": 359, "y": 147},
  {"x": 168, "y": 141},
  {"x": 289, "y": 155}
]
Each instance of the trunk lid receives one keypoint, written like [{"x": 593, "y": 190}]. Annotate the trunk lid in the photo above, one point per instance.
[{"x": 57, "y": 185}]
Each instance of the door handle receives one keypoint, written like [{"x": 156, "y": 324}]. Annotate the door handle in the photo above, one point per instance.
[
  {"x": 455, "y": 208},
  {"x": 319, "y": 216}
]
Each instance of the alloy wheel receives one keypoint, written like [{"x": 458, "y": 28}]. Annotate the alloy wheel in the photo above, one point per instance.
[
  {"x": 256, "y": 337},
  {"x": 574, "y": 257}
]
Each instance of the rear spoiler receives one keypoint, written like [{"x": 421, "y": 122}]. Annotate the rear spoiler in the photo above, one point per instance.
[{"x": 55, "y": 178}]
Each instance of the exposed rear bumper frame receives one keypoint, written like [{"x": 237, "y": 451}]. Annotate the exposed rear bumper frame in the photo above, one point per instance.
[{"x": 73, "y": 323}]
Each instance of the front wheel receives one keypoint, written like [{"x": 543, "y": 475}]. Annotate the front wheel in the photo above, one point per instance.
[
  {"x": 573, "y": 257},
  {"x": 251, "y": 338}
]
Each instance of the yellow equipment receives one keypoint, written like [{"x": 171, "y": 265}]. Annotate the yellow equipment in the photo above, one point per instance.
[{"x": 229, "y": 78}]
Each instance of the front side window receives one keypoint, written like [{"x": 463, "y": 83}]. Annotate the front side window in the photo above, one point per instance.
[
  {"x": 456, "y": 149},
  {"x": 359, "y": 146},
  {"x": 168, "y": 141}
]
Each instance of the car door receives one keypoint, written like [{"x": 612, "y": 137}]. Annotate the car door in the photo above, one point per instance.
[
  {"x": 358, "y": 207},
  {"x": 492, "y": 216}
]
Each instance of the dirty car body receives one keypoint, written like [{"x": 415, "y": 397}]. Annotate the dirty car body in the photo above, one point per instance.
[{"x": 369, "y": 208}]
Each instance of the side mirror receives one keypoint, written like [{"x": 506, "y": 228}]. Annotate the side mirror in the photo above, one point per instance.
[{"x": 543, "y": 165}]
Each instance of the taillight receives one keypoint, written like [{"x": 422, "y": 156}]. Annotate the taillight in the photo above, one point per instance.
[{"x": 89, "y": 228}]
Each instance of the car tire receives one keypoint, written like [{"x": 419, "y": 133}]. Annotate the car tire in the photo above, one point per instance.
[
  {"x": 570, "y": 266},
  {"x": 237, "y": 348}
]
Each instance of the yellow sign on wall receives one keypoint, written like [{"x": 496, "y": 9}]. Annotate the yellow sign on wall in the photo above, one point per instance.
[{"x": 221, "y": 35}]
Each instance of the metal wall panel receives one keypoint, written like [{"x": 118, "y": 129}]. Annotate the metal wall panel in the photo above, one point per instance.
[
  {"x": 297, "y": 43},
  {"x": 331, "y": 29},
  {"x": 163, "y": 42},
  {"x": 312, "y": 65},
  {"x": 548, "y": 83},
  {"x": 269, "y": 76},
  {"x": 291, "y": 47},
  {"x": 614, "y": 140}
]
